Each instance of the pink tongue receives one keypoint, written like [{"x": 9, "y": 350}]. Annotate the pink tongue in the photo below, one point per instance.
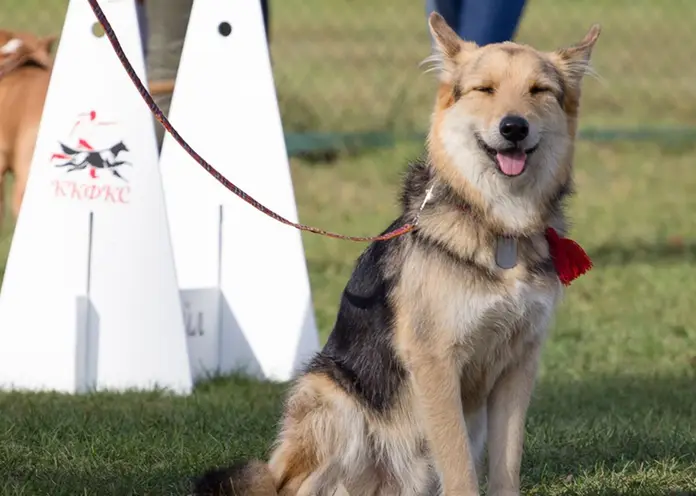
[{"x": 512, "y": 163}]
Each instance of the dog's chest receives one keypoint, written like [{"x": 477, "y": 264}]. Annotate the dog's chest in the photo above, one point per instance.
[
  {"x": 491, "y": 331},
  {"x": 477, "y": 313}
]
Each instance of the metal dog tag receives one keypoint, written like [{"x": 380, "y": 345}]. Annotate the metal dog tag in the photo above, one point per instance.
[{"x": 506, "y": 252}]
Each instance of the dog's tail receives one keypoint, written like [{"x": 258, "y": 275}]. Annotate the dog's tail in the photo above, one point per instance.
[{"x": 241, "y": 479}]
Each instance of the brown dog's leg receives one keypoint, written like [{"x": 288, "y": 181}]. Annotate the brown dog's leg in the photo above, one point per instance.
[
  {"x": 3, "y": 173},
  {"x": 507, "y": 410},
  {"x": 20, "y": 167},
  {"x": 437, "y": 397}
]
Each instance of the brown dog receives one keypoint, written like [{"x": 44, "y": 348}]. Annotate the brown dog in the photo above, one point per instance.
[{"x": 25, "y": 70}]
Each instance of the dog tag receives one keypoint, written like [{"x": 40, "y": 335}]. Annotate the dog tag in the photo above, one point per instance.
[{"x": 506, "y": 252}]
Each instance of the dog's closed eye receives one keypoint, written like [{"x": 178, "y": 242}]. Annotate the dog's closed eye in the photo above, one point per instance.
[
  {"x": 484, "y": 89},
  {"x": 537, "y": 89}
]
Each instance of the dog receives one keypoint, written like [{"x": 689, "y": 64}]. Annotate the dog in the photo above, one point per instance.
[
  {"x": 25, "y": 71},
  {"x": 434, "y": 354}
]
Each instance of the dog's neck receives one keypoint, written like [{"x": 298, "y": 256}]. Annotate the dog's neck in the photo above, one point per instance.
[
  {"x": 505, "y": 246},
  {"x": 511, "y": 208},
  {"x": 454, "y": 220},
  {"x": 511, "y": 216}
]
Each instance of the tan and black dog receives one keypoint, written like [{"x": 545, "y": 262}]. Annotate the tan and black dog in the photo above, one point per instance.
[{"x": 433, "y": 357}]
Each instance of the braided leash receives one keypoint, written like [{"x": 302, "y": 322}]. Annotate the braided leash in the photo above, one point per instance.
[{"x": 157, "y": 112}]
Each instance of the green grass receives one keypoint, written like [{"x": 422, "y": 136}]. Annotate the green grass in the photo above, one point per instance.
[{"x": 615, "y": 409}]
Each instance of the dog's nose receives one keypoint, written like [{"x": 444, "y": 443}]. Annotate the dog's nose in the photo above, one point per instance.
[{"x": 514, "y": 128}]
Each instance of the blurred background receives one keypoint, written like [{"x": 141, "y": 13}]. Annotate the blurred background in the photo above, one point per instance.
[
  {"x": 347, "y": 72},
  {"x": 355, "y": 106}
]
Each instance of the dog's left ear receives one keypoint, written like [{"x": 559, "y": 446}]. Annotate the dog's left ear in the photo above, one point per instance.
[
  {"x": 41, "y": 55},
  {"x": 575, "y": 59}
]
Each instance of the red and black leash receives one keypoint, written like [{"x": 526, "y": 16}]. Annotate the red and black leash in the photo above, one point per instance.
[
  {"x": 157, "y": 112},
  {"x": 569, "y": 258}
]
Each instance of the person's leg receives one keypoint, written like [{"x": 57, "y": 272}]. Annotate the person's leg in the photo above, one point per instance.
[
  {"x": 490, "y": 21},
  {"x": 167, "y": 23},
  {"x": 142, "y": 24},
  {"x": 266, "y": 19}
]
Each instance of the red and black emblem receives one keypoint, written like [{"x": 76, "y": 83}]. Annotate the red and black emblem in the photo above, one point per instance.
[{"x": 85, "y": 156}]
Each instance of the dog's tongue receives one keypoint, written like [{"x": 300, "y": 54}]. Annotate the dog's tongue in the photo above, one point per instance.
[{"x": 512, "y": 163}]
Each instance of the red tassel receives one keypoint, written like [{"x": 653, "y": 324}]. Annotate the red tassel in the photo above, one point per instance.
[{"x": 569, "y": 258}]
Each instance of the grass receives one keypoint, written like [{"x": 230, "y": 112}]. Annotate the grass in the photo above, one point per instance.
[{"x": 615, "y": 409}]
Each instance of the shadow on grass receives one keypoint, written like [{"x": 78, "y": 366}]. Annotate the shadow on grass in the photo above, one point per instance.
[
  {"x": 669, "y": 251},
  {"x": 614, "y": 427},
  {"x": 605, "y": 436}
]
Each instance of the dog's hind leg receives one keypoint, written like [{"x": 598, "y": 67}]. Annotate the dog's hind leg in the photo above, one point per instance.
[
  {"x": 4, "y": 162},
  {"x": 322, "y": 439},
  {"x": 24, "y": 153}
]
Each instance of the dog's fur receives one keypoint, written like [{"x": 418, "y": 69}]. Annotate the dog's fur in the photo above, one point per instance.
[
  {"x": 22, "y": 95},
  {"x": 435, "y": 350}
]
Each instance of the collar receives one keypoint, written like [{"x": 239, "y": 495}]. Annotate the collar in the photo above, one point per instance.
[{"x": 569, "y": 259}]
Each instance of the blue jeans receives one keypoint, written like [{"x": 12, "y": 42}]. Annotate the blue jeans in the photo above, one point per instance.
[{"x": 480, "y": 21}]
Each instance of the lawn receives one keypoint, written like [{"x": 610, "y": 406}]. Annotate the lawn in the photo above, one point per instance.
[{"x": 615, "y": 409}]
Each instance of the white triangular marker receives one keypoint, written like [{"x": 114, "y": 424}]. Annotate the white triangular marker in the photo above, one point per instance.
[
  {"x": 224, "y": 104},
  {"x": 90, "y": 298}
]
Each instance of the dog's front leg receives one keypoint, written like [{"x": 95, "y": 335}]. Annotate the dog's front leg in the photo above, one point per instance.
[
  {"x": 507, "y": 410},
  {"x": 436, "y": 389}
]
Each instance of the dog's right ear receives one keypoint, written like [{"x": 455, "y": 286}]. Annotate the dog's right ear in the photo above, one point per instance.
[
  {"x": 447, "y": 41},
  {"x": 449, "y": 48}
]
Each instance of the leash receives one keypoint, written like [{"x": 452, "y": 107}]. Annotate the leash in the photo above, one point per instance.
[{"x": 159, "y": 115}]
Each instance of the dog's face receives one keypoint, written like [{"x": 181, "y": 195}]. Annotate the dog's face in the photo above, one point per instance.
[
  {"x": 505, "y": 116},
  {"x": 16, "y": 44}
]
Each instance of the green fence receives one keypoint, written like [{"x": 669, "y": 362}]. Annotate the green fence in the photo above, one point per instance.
[{"x": 347, "y": 71}]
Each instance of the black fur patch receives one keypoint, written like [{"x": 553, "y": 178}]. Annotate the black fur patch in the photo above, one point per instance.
[
  {"x": 358, "y": 354},
  {"x": 417, "y": 178},
  {"x": 561, "y": 195},
  {"x": 557, "y": 77},
  {"x": 542, "y": 268},
  {"x": 456, "y": 92},
  {"x": 480, "y": 272},
  {"x": 218, "y": 481}
]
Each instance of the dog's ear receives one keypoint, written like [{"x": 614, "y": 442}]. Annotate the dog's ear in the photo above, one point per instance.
[
  {"x": 575, "y": 59},
  {"x": 41, "y": 52},
  {"x": 448, "y": 42},
  {"x": 449, "y": 46},
  {"x": 41, "y": 57}
]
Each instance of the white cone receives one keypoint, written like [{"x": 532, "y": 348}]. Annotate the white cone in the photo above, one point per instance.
[
  {"x": 224, "y": 104},
  {"x": 89, "y": 297}
]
